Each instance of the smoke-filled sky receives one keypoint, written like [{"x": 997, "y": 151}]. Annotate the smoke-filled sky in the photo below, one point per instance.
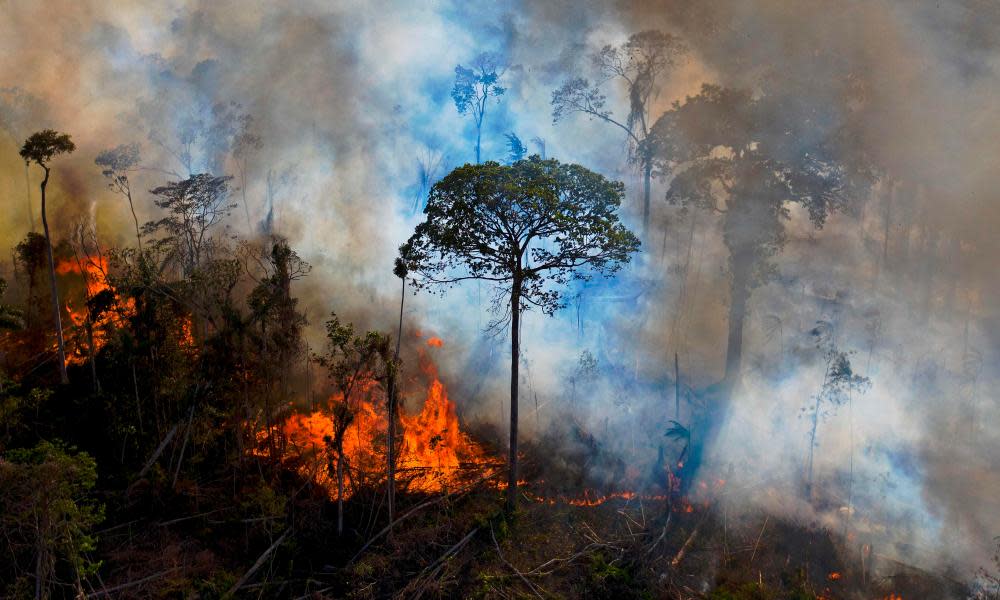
[{"x": 351, "y": 101}]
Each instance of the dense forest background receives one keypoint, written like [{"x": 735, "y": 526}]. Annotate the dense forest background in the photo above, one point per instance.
[{"x": 806, "y": 340}]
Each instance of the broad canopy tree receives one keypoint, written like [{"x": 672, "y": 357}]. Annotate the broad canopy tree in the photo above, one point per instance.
[
  {"x": 727, "y": 157},
  {"x": 529, "y": 228},
  {"x": 194, "y": 206}
]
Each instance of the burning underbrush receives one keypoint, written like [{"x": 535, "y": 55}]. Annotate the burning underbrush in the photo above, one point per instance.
[
  {"x": 100, "y": 309},
  {"x": 433, "y": 453}
]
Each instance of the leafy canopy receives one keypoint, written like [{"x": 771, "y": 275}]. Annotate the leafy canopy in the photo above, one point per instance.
[
  {"x": 476, "y": 83},
  {"x": 724, "y": 155},
  {"x": 533, "y": 224},
  {"x": 42, "y": 146}
]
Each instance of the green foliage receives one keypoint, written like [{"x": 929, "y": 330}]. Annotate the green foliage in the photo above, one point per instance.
[
  {"x": 10, "y": 316},
  {"x": 608, "y": 579},
  {"x": 194, "y": 206},
  {"x": 535, "y": 225},
  {"x": 17, "y": 409},
  {"x": 42, "y": 146},
  {"x": 45, "y": 512}
]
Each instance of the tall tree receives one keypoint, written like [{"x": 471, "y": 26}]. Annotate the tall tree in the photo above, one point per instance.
[
  {"x": 839, "y": 383},
  {"x": 194, "y": 206},
  {"x": 40, "y": 148},
  {"x": 638, "y": 64},
  {"x": 117, "y": 163},
  {"x": 474, "y": 86},
  {"x": 351, "y": 361},
  {"x": 728, "y": 159},
  {"x": 529, "y": 228}
]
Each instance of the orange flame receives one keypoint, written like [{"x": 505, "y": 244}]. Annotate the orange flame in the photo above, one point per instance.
[
  {"x": 435, "y": 342},
  {"x": 95, "y": 277},
  {"x": 431, "y": 456}
]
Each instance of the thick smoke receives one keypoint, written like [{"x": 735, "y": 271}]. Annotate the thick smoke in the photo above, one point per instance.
[{"x": 351, "y": 102}]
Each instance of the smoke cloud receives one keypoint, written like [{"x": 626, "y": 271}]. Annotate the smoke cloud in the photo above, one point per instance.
[{"x": 351, "y": 102}]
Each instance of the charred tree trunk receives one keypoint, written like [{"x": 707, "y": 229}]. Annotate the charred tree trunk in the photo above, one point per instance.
[
  {"x": 515, "y": 350},
  {"x": 63, "y": 377}
]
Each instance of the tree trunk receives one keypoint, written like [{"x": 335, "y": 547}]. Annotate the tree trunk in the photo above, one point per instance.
[
  {"x": 479, "y": 137},
  {"x": 705, "y": 428},
  {"x": 677, "y": 388},
  {"x": 515, "y": 350},
  {"x": 340, "y": 490},
  {"x": 131, "y": 207},
  {"x": 647, "y": 176},
  {"x": 93, "y": 358},
  {"x": 27, "y": 192},
  {"x": 812, "y": 449},
  {"x": 393, "y": 402},
  {"x": 63, "y": 377},
  {"x": 739, "y": 294}
]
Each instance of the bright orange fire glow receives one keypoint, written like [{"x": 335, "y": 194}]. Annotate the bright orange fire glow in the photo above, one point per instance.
[
  {"x": 834, "y": 576},
  {"x": 435, "y": 342},
  {"x": 432, "y": 454},
  {"x": 95, "y": 277}
]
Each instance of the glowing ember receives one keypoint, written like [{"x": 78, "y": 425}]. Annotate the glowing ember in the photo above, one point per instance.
[
  {"x": 834, "y": 576},
  {"x": 435, "y": 342}
]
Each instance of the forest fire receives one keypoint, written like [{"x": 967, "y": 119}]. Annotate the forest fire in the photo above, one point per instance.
[
  {"x": 433, "y": 449},
  {"x": 92, "y": 318},
  {"x": 424, "y": 300}
]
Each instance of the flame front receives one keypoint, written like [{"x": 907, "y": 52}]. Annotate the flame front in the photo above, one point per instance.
[
  {"x": 95, "y": 276},
  {"x": 433, "y": 449}
]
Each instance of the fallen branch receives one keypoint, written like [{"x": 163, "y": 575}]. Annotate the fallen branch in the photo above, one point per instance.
[
  {"x": 757, "y": 543},
  {"x": 558, "y": 561},
  {"x": 680, "y": 553},
  {"x": 131, "y": 584},
  {"x": 187, "y": 435},
  {"x": 159, "y": 451},
  {"x": 404, "y": 516},
  {"x": 257, "y": 565},
  {"x": 663, "y": 534},
  {"x": 435, "y": 567},
  {"x": 530, "y": 585}
]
